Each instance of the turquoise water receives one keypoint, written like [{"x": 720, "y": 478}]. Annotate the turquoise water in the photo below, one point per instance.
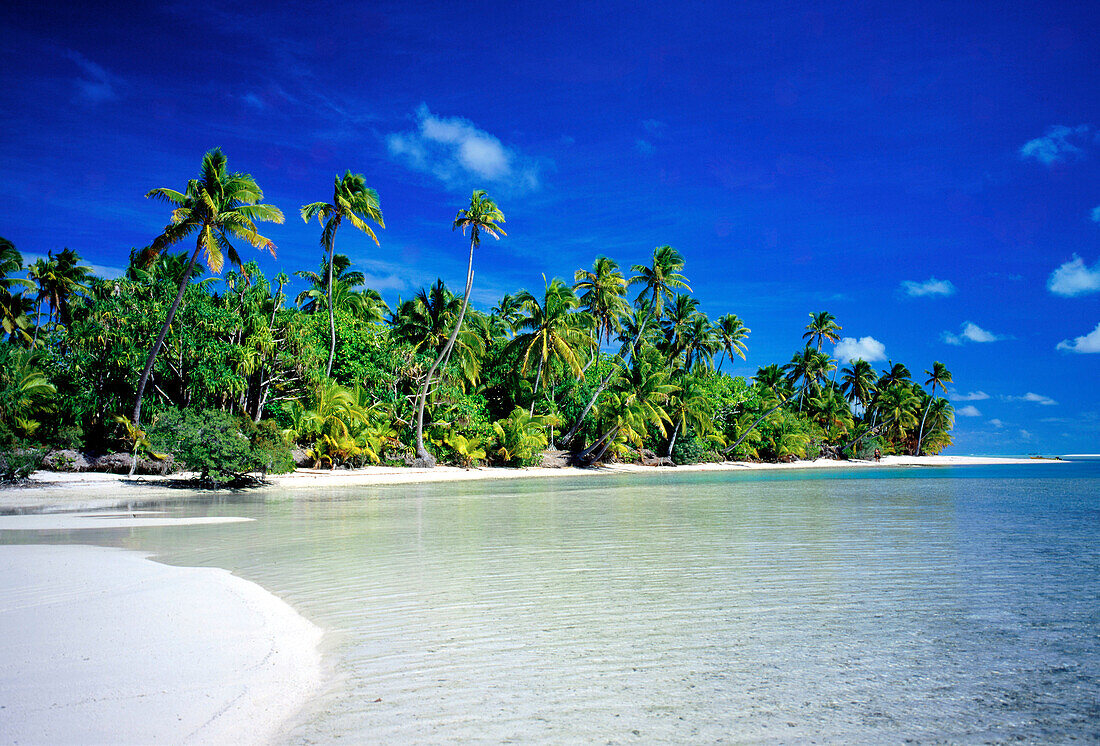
[{"x": 931, "y": 604}]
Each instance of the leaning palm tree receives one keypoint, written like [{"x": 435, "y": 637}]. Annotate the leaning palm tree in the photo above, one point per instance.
[
  {"x": 660, "y": 281},
  {"x": 216, "y": 206},
  {"x": 354, "y": 201},
  {"x": 731, "y": 332},
  {"x": 822, "y": 327},
  {"x": 938, "y": 376},
  {"x": 481, "y": 216}
]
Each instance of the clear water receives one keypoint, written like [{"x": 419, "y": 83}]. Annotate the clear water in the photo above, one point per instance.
[{"x": 931, "y": 605}]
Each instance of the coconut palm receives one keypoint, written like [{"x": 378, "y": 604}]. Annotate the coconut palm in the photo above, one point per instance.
[
  {"x": 555, "y": 332},
  {"x": 822, "y": 327},
  {"x": 481, "y": 216},
  {"x": 14, "y": 306},
  {"x": 939, "y": 376},
  {"x": 897, "y": 406},
  {"x": 675, "y": 324},
  {"x": 858, "y": 383},
  {"x": 354, "y": 201},
  {"x": 216, "y": 206},
  {"x": 365, "y": 304},
  {"x": 690, "y": 406},
  {"x": 58, "y": 278},
  {"x": 809, "y": 366},
  {"x": 426, "y": 321},
  {"x": 603, "y": 296},
  {"x": 660, "y": 281},
  {"x": 731, "y": 333}
]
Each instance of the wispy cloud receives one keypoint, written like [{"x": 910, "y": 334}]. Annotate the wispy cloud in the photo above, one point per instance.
[
  {"x": 865, "y": 348},
  {"x": 930, "y": 287},
  {"x": 1060, "y": 143},
  {"x": 968, "y": 411},
  {"x": 972, "y": 396},
  {"x": 996, "y": 423},
  {"x": 1075, "y": 278},
  {"x": 95, "y": 85},
  {"x": 643, "y": 146},
  {"x": 1095, "y": 214},
  {"x": 1087, "y": 343},
  {"x": 100, "y": 270},
  {"x": 971, "y": 332},
  {"x": 1031, "y": 396},
  {"x": 459, "y": 154},
  {"x": 655, "y": 127}
]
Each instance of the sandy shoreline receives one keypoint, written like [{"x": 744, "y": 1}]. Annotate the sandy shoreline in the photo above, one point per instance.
[
  {"x": 102, "y": 645},
  {"x": 56, "y": 491}
]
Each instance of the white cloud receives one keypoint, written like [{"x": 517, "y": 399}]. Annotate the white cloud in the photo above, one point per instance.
[
  {"x": 96, "y": 84},
  {"x": 1057, "y": 145},
  {"x": 1031, "y": 396},
  {"x": 460, "y": 154},
  {"x": 972, "y": 396},
  {"x": 996, "y": 423},
  {"x": 1095, "y": 214},
  {"x": 1075, "y": 278},
  {"x": 1087, "y": 343},
  {"x": 971, "y": 332},
  {"x": 1025, "y": 435},
  {"x": 643, "y": 147},
  {"x": 968, "y": 411},
  {"x": 864, "y": 348},
  {"x": 931, "y": 286}
]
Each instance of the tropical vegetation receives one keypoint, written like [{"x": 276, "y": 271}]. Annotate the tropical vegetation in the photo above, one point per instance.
[{"x": 241, "y": 376}]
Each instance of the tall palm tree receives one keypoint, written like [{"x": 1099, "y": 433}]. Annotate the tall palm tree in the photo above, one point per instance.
[
  {"x": 822, "y": 327},
  {"x": 680, "y": 313},
  {"x": 700, "y": 342},
  {"x": 731, "y": 333},
  {"x": 809, "y": 366},
  {"x": 938, "y": 376},
  {"x": 660, "y": 281},
  {"x": 216, "y": 206},
  {"x": 858, "y": 382},
  {"x": 354, "y": 201},
  {"x": 555, "y": 332},
  {"x": 481, "y": 216},
  {"x": 603, "y": 296}
]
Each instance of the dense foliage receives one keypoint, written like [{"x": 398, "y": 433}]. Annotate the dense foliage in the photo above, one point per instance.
[{"x": 609, "y": 367}]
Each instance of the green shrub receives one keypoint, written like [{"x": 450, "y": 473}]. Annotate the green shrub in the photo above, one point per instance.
[
  {"x": 209, "y": 442},
  {"x": 18, "y": 464}
]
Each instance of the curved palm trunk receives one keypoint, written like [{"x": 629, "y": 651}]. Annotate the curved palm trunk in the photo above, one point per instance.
[
  {"x": 672, "y": 440},
  {"x": 535, "y": 393},
  {"x": 184, "y": 281},
  {"x": 752, "y": 427},
  {"x": 920, "y": 437},
  {"x": 331, "y": 311},
  {"x": 568, "y": 437},
  {"x": 421, "y": 452}
]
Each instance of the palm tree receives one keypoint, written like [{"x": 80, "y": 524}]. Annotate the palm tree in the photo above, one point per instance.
[
  {"x": 898, "y": 406},
  {"x": 660, "y": 280},
  {"x": 809, "y": 366},
  {"x": 822, "y": 327},
  {"x": 700, "y": 342},
  {"x": 58, "y": 278},
  {"x": 938, "y": 376},
  {"x": 354, "y": 201},
  {"x": 603, "y": 296},
  {"x": 556, "y": 333},
  {"x": 858, "y": 383},
  {"x": 13, "y": 306},
  {"x": 683, "y": 309},
  {"x": 731, "y": 332},
  {"x": 481, "y": 216},
  {"x": 365, "y": 304},
  {"x": 217, "y": 205}
]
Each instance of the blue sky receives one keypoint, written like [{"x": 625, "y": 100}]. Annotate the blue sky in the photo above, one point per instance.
[{"x": 929, "y": 173}]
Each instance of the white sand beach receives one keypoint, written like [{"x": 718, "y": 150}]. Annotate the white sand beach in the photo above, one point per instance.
[
  {"x": 58, "y": 491},
  {"x": 102, "y": 645}
]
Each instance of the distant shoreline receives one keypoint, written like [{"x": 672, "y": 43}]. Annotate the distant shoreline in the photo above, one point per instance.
[{"x": 61, "y": 491}]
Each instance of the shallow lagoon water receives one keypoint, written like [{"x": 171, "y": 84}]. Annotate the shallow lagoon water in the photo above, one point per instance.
[{"x": 953, "y": 604}]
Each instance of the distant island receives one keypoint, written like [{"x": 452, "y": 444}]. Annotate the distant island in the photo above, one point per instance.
[{"x": 168, "y": 368}]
